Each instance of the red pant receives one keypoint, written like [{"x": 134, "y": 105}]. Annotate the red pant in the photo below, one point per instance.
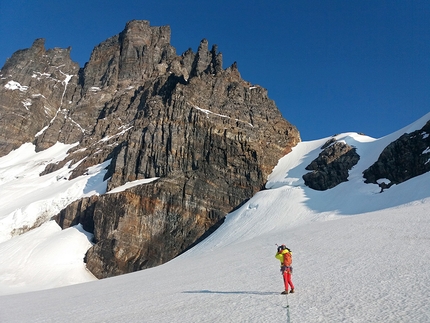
[{"x": 286, "y": 274}]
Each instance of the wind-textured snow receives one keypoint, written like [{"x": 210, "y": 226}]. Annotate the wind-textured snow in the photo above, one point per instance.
[{"x": 358, "y": 256}]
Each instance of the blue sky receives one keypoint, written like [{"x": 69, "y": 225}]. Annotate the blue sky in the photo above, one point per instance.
[{"x": 331, "y": 66}]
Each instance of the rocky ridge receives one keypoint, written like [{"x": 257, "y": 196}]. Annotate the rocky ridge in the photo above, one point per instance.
[
  {"x": 403, "y": 159},
  {"x": 208, "y": 138}
]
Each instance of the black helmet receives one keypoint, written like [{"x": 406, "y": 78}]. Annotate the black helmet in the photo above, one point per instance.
[{"x": 281, "y": 247}]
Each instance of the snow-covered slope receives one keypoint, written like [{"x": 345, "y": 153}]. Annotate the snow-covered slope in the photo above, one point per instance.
[
  {"x": 359, "y": 256},
  {"x": 44, "y": 257}
]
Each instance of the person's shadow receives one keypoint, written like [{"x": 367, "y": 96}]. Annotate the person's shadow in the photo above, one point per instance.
[{"x": 205, "y": 291}]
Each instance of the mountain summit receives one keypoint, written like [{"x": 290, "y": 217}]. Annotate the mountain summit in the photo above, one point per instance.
[{"x": 200, "y": 138}]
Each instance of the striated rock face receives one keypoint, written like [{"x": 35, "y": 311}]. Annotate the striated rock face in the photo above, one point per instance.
[
  {"x": 210, "y": 138},
  {"x": 175, "y": 214},
  {"x": 407, "y": 157},
  {"x": 332, "y": 166}
]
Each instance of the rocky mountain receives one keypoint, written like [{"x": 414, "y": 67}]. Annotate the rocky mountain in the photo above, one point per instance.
[
  {"x": 207, "y": 137},
  {"x": 203, "y": 139}
]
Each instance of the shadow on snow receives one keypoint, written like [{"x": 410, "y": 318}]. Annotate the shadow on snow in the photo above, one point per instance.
[{"x": 205, "y": 291}]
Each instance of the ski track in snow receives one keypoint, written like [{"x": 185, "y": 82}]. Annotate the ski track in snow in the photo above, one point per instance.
[{"x": 358, "y": 255}]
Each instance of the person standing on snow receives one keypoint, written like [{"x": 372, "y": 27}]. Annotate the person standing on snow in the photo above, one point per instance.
[{"x": 285, "y": 256}]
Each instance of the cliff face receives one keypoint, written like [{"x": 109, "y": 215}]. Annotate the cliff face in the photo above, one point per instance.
[{"x": 207, "y": 137}]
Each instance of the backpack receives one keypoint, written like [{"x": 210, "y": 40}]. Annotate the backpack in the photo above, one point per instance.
[{"x": 288, "y": 259}]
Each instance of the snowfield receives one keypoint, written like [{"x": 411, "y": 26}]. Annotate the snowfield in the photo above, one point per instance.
[
  {"x": 358, "y": 255},
  {"x": 28, "y": 199}
]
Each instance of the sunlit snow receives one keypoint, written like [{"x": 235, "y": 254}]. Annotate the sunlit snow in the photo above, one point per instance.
[
  {"x": 132, "y": 184},
  {"x": 12, "y": 85},
  {"x": 40, "y": 197}
]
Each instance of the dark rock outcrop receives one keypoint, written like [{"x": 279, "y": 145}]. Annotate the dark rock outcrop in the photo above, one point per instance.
[
  {"x": 332, "y": 165},
  {"x": 210, "y": 138},
  {"x": 405, "y": 158}
]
